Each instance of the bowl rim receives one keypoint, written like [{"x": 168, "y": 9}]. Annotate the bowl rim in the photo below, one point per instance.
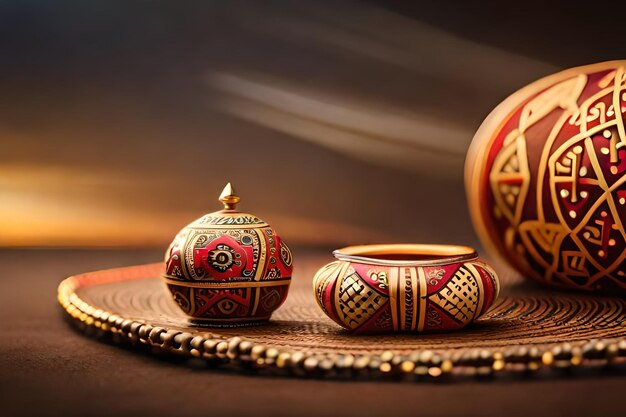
[{"x": 442, "y": 254}]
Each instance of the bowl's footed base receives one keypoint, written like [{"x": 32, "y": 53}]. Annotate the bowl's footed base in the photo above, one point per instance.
[{"x": 225, "y": 322}]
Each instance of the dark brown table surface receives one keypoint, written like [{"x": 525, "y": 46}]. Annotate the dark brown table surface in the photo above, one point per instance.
[{"x": 47, "y": 368}]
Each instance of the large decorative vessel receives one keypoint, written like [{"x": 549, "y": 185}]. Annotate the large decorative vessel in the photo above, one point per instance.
[
  {"x": 545, "y": 179},
  {"x": 405, "y": 288},
  {"x": 228, "y": 267}
]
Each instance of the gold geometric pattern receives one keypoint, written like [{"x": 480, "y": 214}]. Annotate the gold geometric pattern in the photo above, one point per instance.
[
  {"x": 358, "y": 301},
  {"x": 571, "y": 231},
  {"x": 510, "y": 178},
  {"x": 460, "y": 297}
]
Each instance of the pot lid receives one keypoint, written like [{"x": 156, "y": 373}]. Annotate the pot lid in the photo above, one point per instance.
[{"x": 229, "y": 216}]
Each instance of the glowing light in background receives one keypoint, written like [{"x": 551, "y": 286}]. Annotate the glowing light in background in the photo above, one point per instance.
[
  {"x": 324, "y": 121},
  {"x": 56, "y": 206}
]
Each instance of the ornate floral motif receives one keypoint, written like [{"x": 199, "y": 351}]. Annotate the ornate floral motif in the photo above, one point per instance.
[{"x": 222, "y": 257}]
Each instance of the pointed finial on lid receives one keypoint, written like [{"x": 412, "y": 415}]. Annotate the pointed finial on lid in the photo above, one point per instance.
[{"x": 229, "y": 198}]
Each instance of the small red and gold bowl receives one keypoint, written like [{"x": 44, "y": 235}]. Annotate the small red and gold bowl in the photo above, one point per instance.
[{"x": 405, "y": 288}]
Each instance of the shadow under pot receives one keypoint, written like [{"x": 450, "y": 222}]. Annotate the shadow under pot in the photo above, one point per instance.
[{"x": 405, "y": 288}]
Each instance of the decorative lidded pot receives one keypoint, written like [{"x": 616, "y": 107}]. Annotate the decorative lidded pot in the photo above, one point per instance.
[
  {"x": 228, "y": 268},
  {"x": 546, "y": 179},
  {"x": 405, "y": 288}
]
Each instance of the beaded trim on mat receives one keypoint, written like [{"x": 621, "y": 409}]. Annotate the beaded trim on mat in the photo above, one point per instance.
[{"x": 417, "y": 365}]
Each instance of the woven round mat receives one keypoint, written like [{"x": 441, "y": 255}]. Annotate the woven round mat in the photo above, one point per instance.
[{"x": 527, "y": 329}]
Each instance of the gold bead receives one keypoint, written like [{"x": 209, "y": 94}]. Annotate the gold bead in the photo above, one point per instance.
[
  {"x": 407, "y": 366},
  {"x": 282, "y": 359},
  {"x": 547, "y": 358},
  {"x": 257, "y": 351},
  {"x": 446, "y": 366},
  {"x": 310, "y": 363},
  {"x": 386, "y": 356}
]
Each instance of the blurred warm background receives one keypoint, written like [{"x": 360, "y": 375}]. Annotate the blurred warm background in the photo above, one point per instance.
[{"x": 338, "y": 122}]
